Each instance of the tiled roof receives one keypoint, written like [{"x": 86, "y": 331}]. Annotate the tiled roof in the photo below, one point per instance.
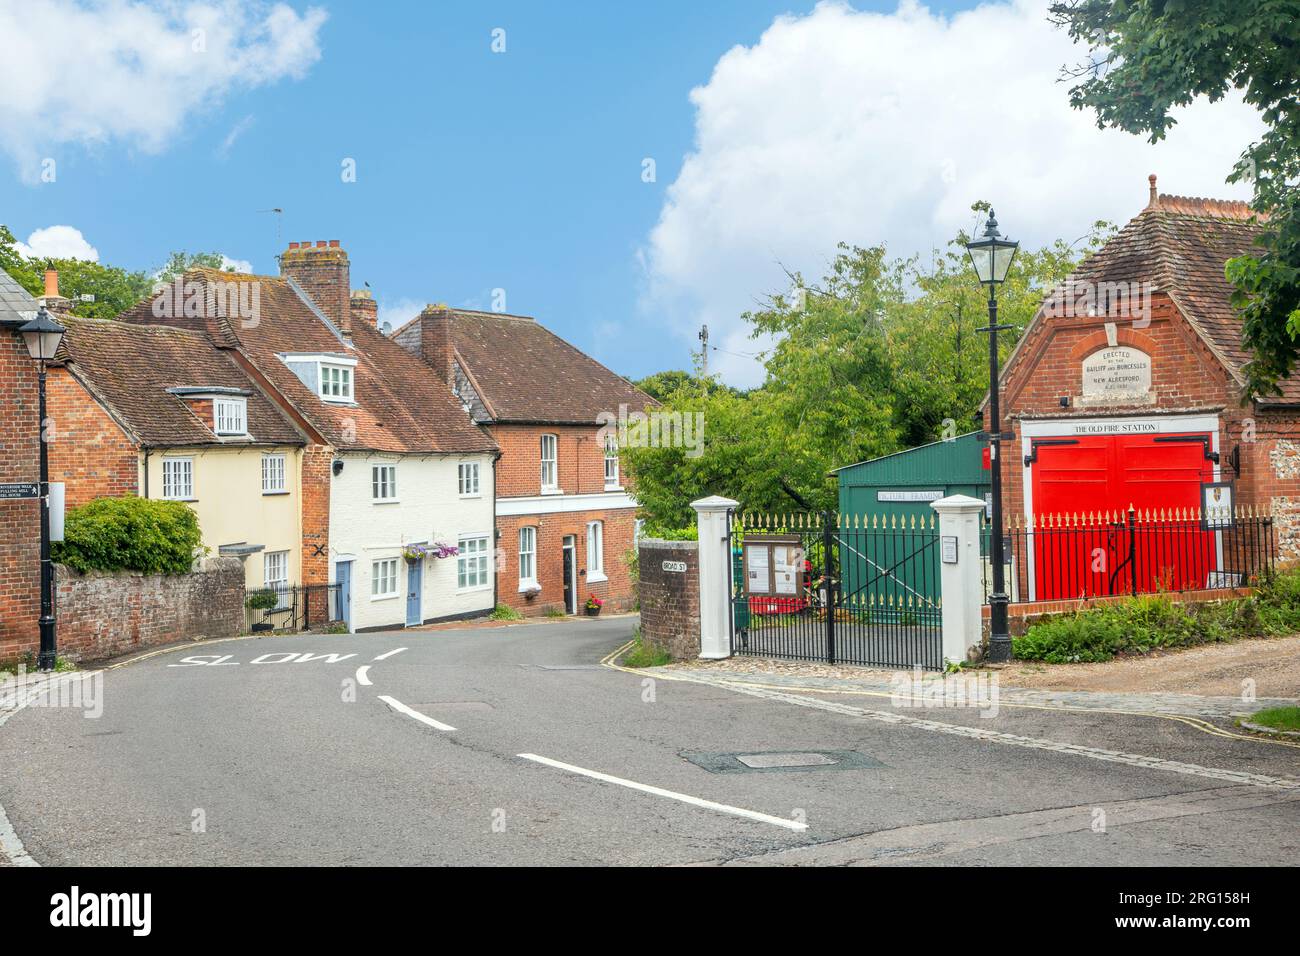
[
  {"x": 1181, "y": 244},
  {"x": 131, "y": 367},
  {"x": 523, "y": 372},
  {"x": 400, "y": 405},
  {"x": 16, "y": 303}
]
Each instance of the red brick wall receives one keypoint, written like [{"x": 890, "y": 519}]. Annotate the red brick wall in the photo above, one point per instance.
[
  {"x": 88, "y": 450},
  {"x": 103, "y": 615},
  {"x": 20, "y": 553},
  {"x": 551, "y": 529},
  {"x": 670, "y": 600},
  {"x": 580, "y": 459},
  {"x": 317, "y": 462}
]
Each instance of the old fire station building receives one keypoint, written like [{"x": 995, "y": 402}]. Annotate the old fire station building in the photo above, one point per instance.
[{"x": 1125, "y": 390}]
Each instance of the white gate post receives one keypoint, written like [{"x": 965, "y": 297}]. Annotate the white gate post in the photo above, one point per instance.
[
  {"x": 959, "y": 574},
  {"x": 715, "y": 576}
]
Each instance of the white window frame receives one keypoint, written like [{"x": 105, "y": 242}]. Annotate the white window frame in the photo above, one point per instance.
[
  {"x": 278, "y": 583},
  {"x": 553, "y": 486},
  {"x": 275, "y": 467},
  {"x": 467, "y": 479},
  {"x": 337, "y": 386},
  {"x": 387, "y": 483},
  {"x": 472, "y": 565},
  {"x": 611, "y": 473},
  {"x": 169, "y": 490},
  {"x": 234, "y": 411},
  {"x": 528, "y": 536},
  {"x": 596, "y": 551},
  {"x": 379, "y": 577}
]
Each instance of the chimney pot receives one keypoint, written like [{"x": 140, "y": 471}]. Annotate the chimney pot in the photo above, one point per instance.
[
  {"x": 293, "y": 245},
  {"x": 334, "y": 243},
  {"x": 1154, "y": 198},
  {"x": 51, "y": 284},
  {"x": 320, "y": 243}
]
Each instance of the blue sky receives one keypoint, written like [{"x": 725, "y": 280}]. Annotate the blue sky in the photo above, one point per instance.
[{"x": 522, "y": 170}]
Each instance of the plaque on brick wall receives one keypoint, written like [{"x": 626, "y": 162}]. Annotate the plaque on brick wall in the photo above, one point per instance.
[{"x": 1116, "y": 376}]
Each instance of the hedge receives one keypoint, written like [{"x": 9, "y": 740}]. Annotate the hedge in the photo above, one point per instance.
[
  {"x": 1142, "y": 624},
  {"x": 130, "y": 534}
]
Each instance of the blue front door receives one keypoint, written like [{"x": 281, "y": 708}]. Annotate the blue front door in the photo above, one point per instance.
[
  {"x": 343, "y": 575},
  {"x": 414, "y": 582}
]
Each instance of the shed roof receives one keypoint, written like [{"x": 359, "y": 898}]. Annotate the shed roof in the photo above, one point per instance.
[{"x": 951, "y": 462}]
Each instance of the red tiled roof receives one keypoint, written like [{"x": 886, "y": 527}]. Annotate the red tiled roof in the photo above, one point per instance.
[
  {"x": 131, "y": 367},
  {"x": 1181, "y": 244},
  {"x": 523, "y": 372},
  {"x": 400, "y": 406}
]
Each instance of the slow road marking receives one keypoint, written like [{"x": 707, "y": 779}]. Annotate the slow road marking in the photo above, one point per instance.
[
  {"x": 390, "y": 653},
  {"x": 398, "y": 706},
  {"x": 362, "y": 675},
  {"x": 670, "y": 794}
]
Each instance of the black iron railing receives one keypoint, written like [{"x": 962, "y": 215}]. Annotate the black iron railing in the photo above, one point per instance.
[
  {"x": 297, "y": 608},
  {"x": 1073, "y": 557}
]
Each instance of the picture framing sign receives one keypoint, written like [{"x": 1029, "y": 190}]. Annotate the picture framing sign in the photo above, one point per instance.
[
  {"x": 1218, "y": 501},
  {"x": 773, "y": 564}
]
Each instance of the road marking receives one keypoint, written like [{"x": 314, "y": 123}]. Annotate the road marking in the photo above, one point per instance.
[
  {"x": 670, "y": 794},
  {"x": 390, "y": 653},
  {"x": 361, "y": 675},
  {"x": 397, "y": 705},
  {"x": 1017, "y": 740}
]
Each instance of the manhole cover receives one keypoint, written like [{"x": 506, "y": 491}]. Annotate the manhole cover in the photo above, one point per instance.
[
  {"x": 767, "y": 761},
  {"x": 780, "y": 761}
]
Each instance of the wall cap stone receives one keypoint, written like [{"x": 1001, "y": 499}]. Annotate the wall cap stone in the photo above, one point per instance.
[{"x": 660, "y": 544}]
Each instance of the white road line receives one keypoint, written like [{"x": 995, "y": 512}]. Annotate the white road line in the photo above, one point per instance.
[
  {"x": 397, "y": 705},
  {"x": 390, "y": 653},
  {"x": 361, "y": 676},
  {"x": 670, "y": 794}
]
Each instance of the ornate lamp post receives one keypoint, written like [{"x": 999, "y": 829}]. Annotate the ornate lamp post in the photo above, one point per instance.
[
  {"x": 42, "y": 336},
  {"x": 991, "y": 256}
]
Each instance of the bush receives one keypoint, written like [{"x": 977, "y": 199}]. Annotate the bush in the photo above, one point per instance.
[
  {"x": 504, "y": 612},
  {"x": 130, "y": 534},
  {"x": 1142, "y": 624},
  {"x": 262, "y": 601}
]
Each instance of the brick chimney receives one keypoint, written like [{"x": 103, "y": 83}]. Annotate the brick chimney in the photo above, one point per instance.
[
  {"x": 54, "y": 302},
  {"x": 428, "y": 335},
  {"x": 322, "y": 270},
  {"x": 365, "y": 310}
]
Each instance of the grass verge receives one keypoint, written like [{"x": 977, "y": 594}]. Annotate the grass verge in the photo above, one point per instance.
[
  {"x": 645, "y": 655},
  {"x": 1278, "y": 718}
]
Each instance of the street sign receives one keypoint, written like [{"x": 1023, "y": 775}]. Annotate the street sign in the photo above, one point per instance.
[{"x": 21, "y": 489}]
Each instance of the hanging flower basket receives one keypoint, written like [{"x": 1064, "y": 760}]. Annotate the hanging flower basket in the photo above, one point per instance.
[{"x": 414, "y": 553}]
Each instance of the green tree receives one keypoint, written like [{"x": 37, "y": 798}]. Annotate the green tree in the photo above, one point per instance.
[
  {"x": 1147, "y": 57},
  {"x": 113, "y": 290},
  {"x": 178, "y": 263}
]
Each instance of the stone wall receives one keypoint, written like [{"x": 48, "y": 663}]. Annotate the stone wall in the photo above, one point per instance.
[
  {"x": 104, "y": 614},
  {"x": 670, "y": 599}
]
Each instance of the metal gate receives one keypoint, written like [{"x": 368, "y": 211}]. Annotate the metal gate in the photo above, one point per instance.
[{"x": 836, "y": 589}]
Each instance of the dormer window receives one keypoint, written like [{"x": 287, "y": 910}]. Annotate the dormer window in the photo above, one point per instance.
[
  {"x": 230, "y": 416},
  {"x": 335, "y": 383}
]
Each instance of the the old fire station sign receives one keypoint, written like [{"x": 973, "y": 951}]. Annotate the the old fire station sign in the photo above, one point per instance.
[{"x": 1116, "y": 375}]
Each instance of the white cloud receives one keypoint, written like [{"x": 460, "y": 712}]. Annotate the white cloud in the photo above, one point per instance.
[
  {"x": 236, "y": 131},
  {"x": 58, "y": 242},
  {"x": 398, "y": 311},
  {"x": 866, "y": 127},
  {"x": 238, "y": 265},
  {"x": 136, "y": 70}
]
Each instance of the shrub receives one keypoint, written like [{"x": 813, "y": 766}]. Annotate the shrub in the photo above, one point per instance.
[
  {"x": 130, "y": 534},
  {"x": 261, "y": 601},
  {"x": 1142, "y": 624},
  {"x": 504, "y": 612}
]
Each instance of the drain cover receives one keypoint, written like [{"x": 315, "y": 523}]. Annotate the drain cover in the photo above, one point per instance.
[
  {"x": 770, "y": 761},
  {"x": 778, "y": 761}
]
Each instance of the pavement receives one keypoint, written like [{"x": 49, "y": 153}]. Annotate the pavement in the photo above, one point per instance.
[{"x": 528, "y": 745}]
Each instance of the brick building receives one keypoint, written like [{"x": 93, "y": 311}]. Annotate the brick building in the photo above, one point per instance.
[
  {"x": 391, "y": 462},
  {"x": 20, "y": 519},
  {"x": 565, "y": 521},
  {"x": 1125, "y": 389}
]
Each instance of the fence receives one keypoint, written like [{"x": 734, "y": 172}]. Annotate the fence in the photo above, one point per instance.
[
  {"x": 837, "y": 589},
  {"x": 1071, "y": 557},
  {"x": 297, "y": 608}
]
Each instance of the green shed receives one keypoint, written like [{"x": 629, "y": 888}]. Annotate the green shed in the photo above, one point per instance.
[
  {"x": 895, "y": 491},
  {"x": 903, "y": 484}
]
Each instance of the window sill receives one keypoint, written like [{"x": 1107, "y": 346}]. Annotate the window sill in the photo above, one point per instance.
[
  {"x": 526, "y": 586},
  {"x": 169, "y": 498},
  {"x": 383, "y": 597},
  {"x": 613, "y": 487},
  {"x": 339, "y": 401},
  {"x": 552, "y": 491},
  {"x": 469, "y": 497},
  {"x": 595, "y": 577},
  {"x": 273, "y": 494},
  {"x": 474, "y": 590},
  {"x": 385, "y": 501}
]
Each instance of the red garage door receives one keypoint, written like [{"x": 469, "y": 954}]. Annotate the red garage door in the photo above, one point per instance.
[{"x": 1102, "y": 475}]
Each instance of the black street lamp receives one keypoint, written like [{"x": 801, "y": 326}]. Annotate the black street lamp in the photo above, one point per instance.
[
  {"x": 42, "y": 336},
  {"x": 991, "y": 256}
]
